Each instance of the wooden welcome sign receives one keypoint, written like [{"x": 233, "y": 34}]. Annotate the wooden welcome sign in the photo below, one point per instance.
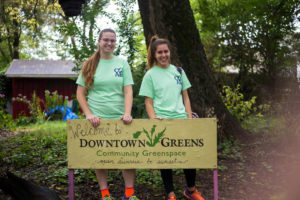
[{"x": 145, "y": 143}]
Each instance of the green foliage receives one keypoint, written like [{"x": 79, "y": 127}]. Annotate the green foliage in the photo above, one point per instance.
[
  {"x": 24, "y": 120},
  {"x": 240, "y": 108},
  {"x": 61, "y": 174},
  {"x": 82, "y": 175},
  {"x": 267, "y": 125},
  {"x": 229, "y": 148},
  {"x": 45, "y": 144},
  {"x": 252, "y": 117},
  {"x": 148, "y": 177},
  {"x": 6, "y": 121},
  {"x": 130, "y": 32},
  {"x": 254, "y": 36},
  {"x": 21, "y": 27}
]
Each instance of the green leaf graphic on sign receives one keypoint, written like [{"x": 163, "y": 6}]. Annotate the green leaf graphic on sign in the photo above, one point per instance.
[
  {"x": 152, "y": 141},
  {"x": 137, "y": 134},
  {"x": 153, "y": 130},
  {"x": 158, "y": 136},
  {"x": 149, "y": 144},
  {"x": 147, "y": 135}
]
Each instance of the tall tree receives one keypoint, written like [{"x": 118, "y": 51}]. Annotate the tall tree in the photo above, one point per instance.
[
  {"x": 174, "y": 19},
  {"x": 79, "y": 34},
  {"x": 127, "y": 23},
  {"x": 21, "y": 25},
  {"x": 254, "y": 36}
]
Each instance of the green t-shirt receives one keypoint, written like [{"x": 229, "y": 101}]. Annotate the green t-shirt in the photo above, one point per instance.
[
  {"x": 165, "y": 87},
  {"x": 105, "y": 96}
]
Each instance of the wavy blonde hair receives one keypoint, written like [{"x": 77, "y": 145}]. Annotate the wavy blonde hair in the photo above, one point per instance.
[
  {"x": 154, "y": 42},
  {"x": 90, "y": 65}
]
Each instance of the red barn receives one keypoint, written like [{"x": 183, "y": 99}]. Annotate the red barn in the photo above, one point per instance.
[{"x": 40, "y": 75}]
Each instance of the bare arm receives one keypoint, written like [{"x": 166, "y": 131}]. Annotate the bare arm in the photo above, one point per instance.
[
  {"x": 128, "y": 98},
  {"x": 80, "y": 94},
  {"x": 187, "y": 103},
  {"x": 149, "y": 107}
]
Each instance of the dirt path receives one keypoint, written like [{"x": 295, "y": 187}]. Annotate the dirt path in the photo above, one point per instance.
[{"x": 268, "y": 170}]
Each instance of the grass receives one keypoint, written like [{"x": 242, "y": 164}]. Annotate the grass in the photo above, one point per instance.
[
  {"x": 48, "y": 127},
  {"x": 43, "y": 144}
]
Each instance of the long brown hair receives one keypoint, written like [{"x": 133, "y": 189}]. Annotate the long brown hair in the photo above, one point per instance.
[
  {"x": 154, "y": 42},
  {"x": 90, "y": 65}
]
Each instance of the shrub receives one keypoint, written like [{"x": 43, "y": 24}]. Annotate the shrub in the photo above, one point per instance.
[
  {"x": 52, "y": 102},
  {"x": 34, "y": 106},
  {"x": 54, "y": 99},
  {"x": 240, "y": 108},
  {"x": 24, "y": 120},
  {"x": 6, "y": 121}
]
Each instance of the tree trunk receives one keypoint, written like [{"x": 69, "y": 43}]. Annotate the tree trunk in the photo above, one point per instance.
[
  {"x": 16, "y": 40},
  {"x": 174, "y": 19}
]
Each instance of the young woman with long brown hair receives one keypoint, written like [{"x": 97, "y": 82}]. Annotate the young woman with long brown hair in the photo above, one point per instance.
[{"x": 108, "y": 81}]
